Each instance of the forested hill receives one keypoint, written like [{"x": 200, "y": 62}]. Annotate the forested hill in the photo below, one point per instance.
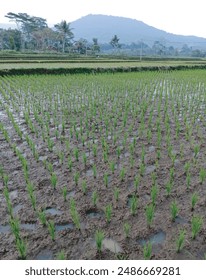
[{"x": 128, "y": 30}]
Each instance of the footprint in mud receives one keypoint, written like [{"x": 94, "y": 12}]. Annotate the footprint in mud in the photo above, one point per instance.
[
  {"x": 112, "y": 245},
  {"x": 93, "y": 213},
  {"x": 53, "y": 211},
  {"x": 157, "y": 241}
]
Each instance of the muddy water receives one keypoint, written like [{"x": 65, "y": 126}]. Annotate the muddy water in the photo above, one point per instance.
[
  {"x": 112, "y": 245},
  {"x": 157, "y": 240}
]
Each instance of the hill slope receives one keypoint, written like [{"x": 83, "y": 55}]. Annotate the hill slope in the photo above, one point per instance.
[{"x": 128, "y": 30}]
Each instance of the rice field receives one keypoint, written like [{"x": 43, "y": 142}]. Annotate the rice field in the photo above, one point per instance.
[{"x": 103, "y": 166}]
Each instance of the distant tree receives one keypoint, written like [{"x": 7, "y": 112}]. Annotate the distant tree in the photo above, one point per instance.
[
  {"x": 10, "y": 39},
  {"x": 81, "y": 46},
  {"x": 95, "y": 46},
  {"x": 65, "y": 33},
  {"x": 115, "y": 42},
  {"x": 27, "y": 24}
]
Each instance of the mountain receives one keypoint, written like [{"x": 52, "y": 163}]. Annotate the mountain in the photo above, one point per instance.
[{"x": 129, "y": 31}]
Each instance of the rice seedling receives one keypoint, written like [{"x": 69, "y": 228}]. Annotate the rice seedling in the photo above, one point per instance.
[
  {"x": 154, "y": 192},
  {"x": 147, "y": 251},
  {"x": 50, "y": 168},
  {"x": 112, "y": 166},
  {"x": 94, "y": 169},
  {"x": 50, "y": 144},
  {"x": 149, "y": 211},
  {"x": 180, "y": 241},
  {"x": 106, "y": 180},
  {"x": 54, "y": 180},
  {"x": 116, "y": 194},
  {"x": 154, "y": 178},
  {"x": 187, "y": 167},
  {"x": 74, "y": 214},
  {"x": 142, "y": 169},
  {"x": 51, "y": 229},
  {"x": 168, "y": 188},
  {"x": 196, "y": 150},
  {"x": 76, "y": 154},
  {"x": 5, "y": 180},
  {"x": 84, "y": 187},
  {"x": 122, "y": 174},
  {"x": 64, "y": 192},
  {"x": 105, "y": 156},
  {"x": 94, "y": 198},
  {"x": 61, "y": 256},
  {"x": 136, "y": 182},
  {"x": 194, "y": 200},
  {"x": 42, "y": 217},
  {"x": 174, "y": 210},
  {"x": 99, "y": 237},
  {"x": 118, "y": 152},
  {"x": 202, "y": 175},
  {"x": 132, "y": 162},
  {"x": 15, "y": 227},
  {"x": 76, "y": 178},
  {"x": 22, "y": 248},
  {"x": 126, "y": 228},
  {"x": 94, "y": 149},
  {"x": 84, "y": 157},
  {"x": 70, "y": 164},
  {"x": 133, "y": 205},
  {"x": 143, "y": 154},
  {"x": 108, "y": 213},
  {"x": 196, "y": 223}
]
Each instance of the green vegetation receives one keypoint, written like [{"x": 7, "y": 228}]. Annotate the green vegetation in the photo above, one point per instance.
[{"x": 125, "y": 147}]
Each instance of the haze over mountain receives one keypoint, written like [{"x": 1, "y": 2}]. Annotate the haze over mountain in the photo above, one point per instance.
[{"x": 128, "y": 30}]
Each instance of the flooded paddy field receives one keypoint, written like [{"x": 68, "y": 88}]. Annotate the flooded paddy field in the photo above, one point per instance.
[{"x": 122, "y": 155}]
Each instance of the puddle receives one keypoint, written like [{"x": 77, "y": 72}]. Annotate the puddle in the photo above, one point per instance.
[
  {"x": 112, "y": 245},
  {"x": 28, "y": 226},
  {"x": 180, "y": 220},
  {"x": 45, "y": 255},
  {"x": 4, "y": 229},
  {"x": 156, "y": 239},
  {"x": 150, "y": 169},
  {"x": 63, "y": 227},
  {"x": 92, "y": 213},
  {"x": 7, "y": 229},
  {"x": 151, "y": 149},
  {"x": 53, "y": 211}
]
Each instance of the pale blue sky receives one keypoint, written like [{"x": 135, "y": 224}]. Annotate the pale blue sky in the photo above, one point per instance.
[{"x": 184, "y": 17}]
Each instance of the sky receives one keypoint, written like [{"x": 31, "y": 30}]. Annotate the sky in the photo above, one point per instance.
[{"x": 183, "y": 17}]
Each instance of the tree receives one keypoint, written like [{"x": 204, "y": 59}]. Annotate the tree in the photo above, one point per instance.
[
  {"x": 65, "y": 33},
  {"x": 95, "y": 46},
  {"x": 27, "y": 24},
  {"x": 81, "y": 46},
  {"x": 10, "y": 39},
  {"x": 115, "y": 42}
]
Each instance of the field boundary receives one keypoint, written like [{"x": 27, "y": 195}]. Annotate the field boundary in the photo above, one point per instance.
[{"x": 95, "y": 70}]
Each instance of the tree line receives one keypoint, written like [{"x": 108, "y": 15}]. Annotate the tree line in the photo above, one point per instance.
[{"x": 33, "y": 34}]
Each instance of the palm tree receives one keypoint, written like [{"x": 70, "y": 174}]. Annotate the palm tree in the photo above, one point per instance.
[{"x": 65, "y": 32}]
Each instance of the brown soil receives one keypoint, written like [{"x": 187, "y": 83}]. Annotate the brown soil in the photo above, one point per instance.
[{"x": 80, "y": 244}]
